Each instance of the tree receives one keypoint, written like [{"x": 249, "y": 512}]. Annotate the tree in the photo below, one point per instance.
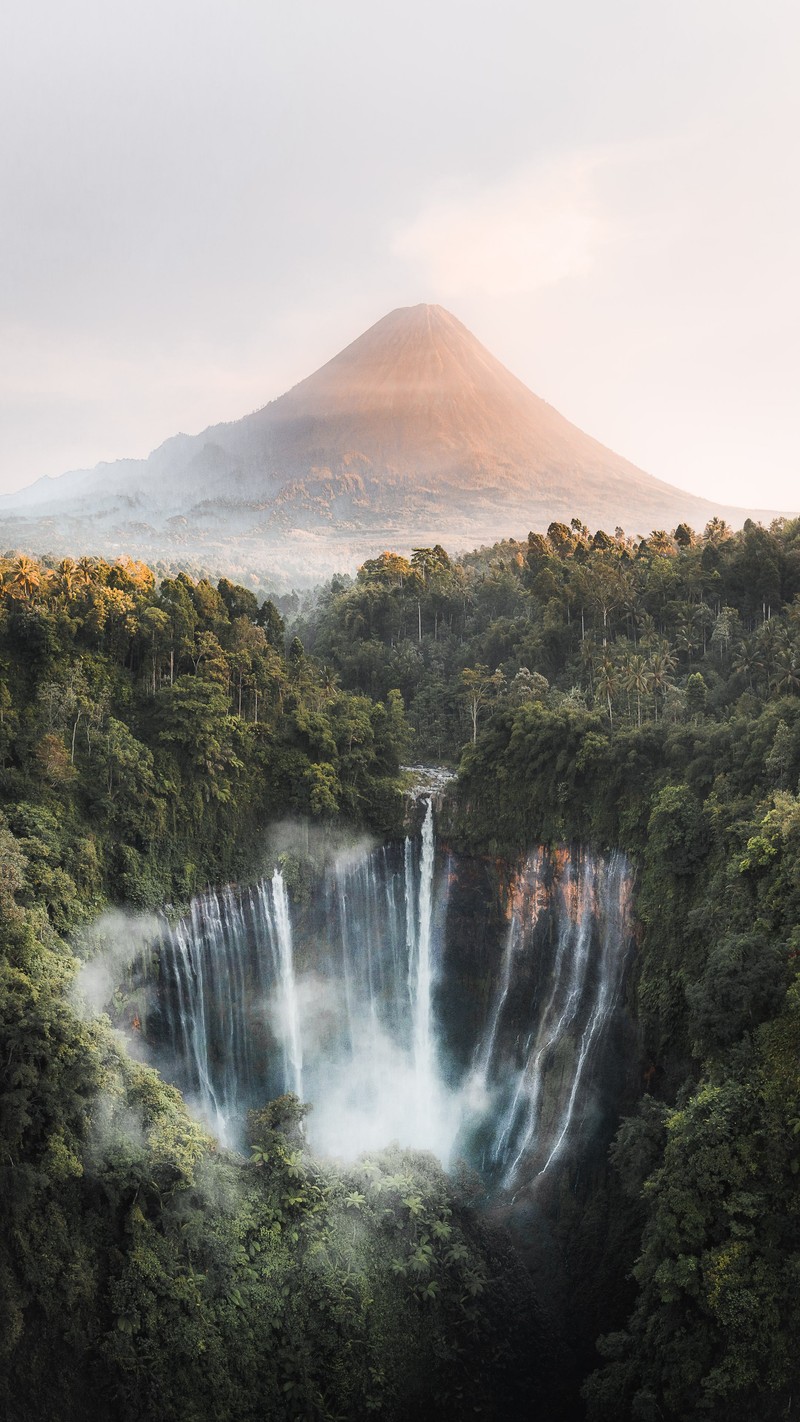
[
  {"x": 69, "y": 704},
  {"x": 785, "y": 678},
  {"x": 636, "y": 678},
  {"x": 724, "y": 632},
  {"x": 696, "y": 695},
  {"x": 155, "y": 624},
  {"x": 389, "y": 568},
  {"x": 175, "y": 598},
  {"x": 604, "y": 590},
  {"x": 782, "y": 756},
  {"x": 274, "y": 627},
  {"x": 661, "y": 543},
  {"x": 427, "y": 561},
  {"x": 25, "y": 578},
  {"x": 324, "y": 789},
  {"x": 688, "y": 634},
  {"x": 239, "y": 601},
  {"x": 717, "y": 531},
  {"x": 607, "y": 685},
  {"x": 194, "y": 722},
  {"x": 561, "y": 538},
  {"x": 660, "y": 666},
  {"x": 480, "y": 687}
]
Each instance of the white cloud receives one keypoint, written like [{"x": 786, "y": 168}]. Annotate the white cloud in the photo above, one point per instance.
[{"x": 532, "y": 230}]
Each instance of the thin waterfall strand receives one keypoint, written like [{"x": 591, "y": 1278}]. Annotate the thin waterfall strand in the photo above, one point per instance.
[
  {"x": 358, "y": 1032},
  {"x": 283, "y": 938},
  {"x": 423, "y": 1044}
]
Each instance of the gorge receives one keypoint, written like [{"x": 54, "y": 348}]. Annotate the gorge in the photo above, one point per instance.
[{"x": 409, "y": 994}]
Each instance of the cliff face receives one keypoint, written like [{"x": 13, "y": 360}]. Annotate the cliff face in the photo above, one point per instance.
[
  {"x": 532, "y": 1001},
  {"x": 470, "y": 1007}
]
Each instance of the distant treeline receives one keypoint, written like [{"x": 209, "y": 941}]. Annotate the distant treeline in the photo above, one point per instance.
[{"x": 637, "y": 631}]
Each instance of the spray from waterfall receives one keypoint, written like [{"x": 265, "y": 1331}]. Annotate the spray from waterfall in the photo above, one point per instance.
[{"x": 360, "y": 1030}]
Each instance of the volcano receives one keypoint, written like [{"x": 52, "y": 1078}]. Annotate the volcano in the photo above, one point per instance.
[{"x": 413, "y": 433}]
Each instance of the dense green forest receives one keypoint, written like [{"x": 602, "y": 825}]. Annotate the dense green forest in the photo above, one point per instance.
[
  {"x": 645, "y": 695},
  {"x": 149, "y": 737},
  {"x": 635, "y": 694}
]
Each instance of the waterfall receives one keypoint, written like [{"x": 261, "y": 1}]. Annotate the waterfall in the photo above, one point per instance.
[
  {"x": 377, "y": 1024},
  {"x": 201, "y": 970},
  {"x": 559, "y": 1015},
  {"x": 288, "y": 984},
  {"x": 540, "y": 1099},
  {"x": 411, "y": 915},
  {"x": 609, "y": 983},
  {"x": 421, "y": 991},
  {"x": 476, "y": 1094}
]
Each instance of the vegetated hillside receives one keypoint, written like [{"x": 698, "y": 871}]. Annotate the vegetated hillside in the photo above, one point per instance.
[
  {"x": 642, "y": 695},
  {"x": 413, "y": 434},
  {"x": 148, "y": 737},
  {"x": 647, "y": 697}
]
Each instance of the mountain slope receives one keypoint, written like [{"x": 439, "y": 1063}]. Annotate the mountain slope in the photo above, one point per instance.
[{"x": 414, "y": 431}]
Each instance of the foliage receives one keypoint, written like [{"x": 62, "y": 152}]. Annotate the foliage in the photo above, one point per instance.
[
  {"x": 158, "y": 729},
  {"x": 669, "y": 628},
  {"x": 645, "y": 694},
  {"x": 150, "y": 734},
  {"x": 636, "y": 694}
]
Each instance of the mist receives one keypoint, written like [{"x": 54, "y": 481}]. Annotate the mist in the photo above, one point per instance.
[{"x": 343, "y": 975}]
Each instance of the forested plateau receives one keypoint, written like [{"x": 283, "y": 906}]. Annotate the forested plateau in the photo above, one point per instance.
[{"x": 590, "y": 690}]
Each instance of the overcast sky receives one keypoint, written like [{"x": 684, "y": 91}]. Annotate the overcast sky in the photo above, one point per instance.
[{"x": 202, "y": 202}]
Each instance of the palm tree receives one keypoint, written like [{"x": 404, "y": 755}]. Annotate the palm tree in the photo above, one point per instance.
[
  {"x": 26, "y": 577},
  {"x": 607, "y": 685},
  {"x": 648, "y": 631},
  {"x": 785, "y": 679},
  {"x": 744, "y": 660},
  {"x": 84, "y": 572},
  {"x": 66, "y": 575},
  {"x": 659, "y": 666},
  {"x": 636, "y": 678},
  {"x": 661, "y": 543},
  {"x": 686, "y": 639},
  {"x": 717, "y": 530},
  {"x": 771, "y": 641},
  {"x": 329, "y": 681}
]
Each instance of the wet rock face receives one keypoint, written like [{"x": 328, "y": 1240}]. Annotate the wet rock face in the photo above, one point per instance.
[
  {"x": 538, "y": 987},
  {"x": 453, "y": 1003}
]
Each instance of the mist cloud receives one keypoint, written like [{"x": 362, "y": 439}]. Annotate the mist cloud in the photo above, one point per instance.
[
  {"x": 109, "y": 947},
  {"x": 532, "y": 230}
]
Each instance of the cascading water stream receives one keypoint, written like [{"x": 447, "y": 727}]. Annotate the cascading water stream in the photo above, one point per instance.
[
  {"x": 412, "y": 925},
  {"x": 364, "y": 1030},
  {"x": 604, "y": 1001},
  {"x": 558, "y": 1017},
  {"x": 423, "y": 977},
  {"x": 285, "y": 956}
]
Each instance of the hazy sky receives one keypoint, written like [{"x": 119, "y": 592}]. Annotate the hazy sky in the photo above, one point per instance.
[{"x": 202, "y": 202}]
